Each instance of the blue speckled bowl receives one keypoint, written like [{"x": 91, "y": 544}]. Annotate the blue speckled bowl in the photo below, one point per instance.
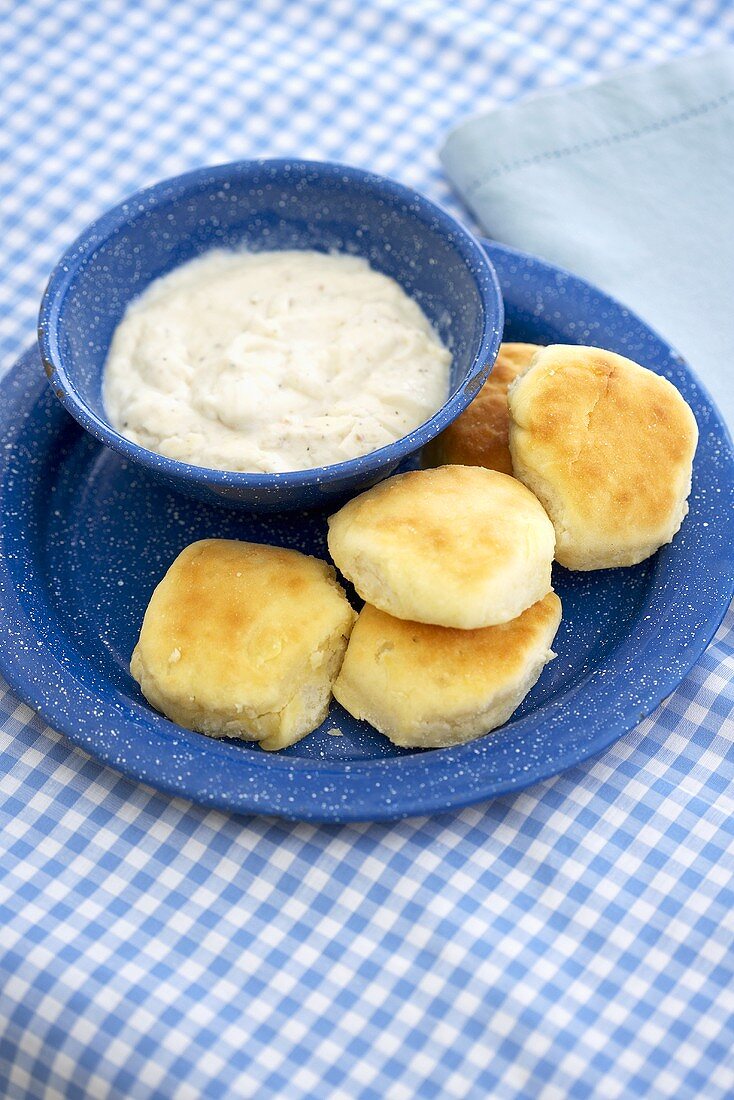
[{"x": 268, "y": 204}]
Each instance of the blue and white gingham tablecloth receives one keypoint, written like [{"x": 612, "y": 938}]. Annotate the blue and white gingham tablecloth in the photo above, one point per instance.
[{"x": 575, "y": 940}]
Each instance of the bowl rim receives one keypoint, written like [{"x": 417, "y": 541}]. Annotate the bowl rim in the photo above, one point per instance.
[{"x": 103, "y": 228}]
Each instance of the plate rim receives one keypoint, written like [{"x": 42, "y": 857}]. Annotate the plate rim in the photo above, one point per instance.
[{"x": 23, "y": 681}]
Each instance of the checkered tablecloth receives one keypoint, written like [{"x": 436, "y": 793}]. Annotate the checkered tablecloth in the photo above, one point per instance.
[{"x": 572, "y": 941}]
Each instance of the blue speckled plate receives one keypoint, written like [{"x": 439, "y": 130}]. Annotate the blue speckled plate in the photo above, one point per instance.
[{"x": 85, "y": 537}]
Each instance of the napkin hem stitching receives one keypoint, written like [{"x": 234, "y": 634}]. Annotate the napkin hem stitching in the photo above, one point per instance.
[{"x": 596, "y": 143}]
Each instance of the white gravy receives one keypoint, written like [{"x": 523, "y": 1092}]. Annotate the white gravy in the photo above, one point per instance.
[{"x": 273, "y": 361}]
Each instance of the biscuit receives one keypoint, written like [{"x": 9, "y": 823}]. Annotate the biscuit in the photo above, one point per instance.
[
  {"x": 242, "y": 640},
  {"x": 479, "y": 437},
  {"x": 432, "y": 686},
  {"x": 607, "y": 446},
  {"x": 456, "y": 546}
]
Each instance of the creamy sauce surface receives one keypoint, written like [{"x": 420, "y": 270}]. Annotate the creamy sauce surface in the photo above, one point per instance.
[{"x": 273, "y": 361}]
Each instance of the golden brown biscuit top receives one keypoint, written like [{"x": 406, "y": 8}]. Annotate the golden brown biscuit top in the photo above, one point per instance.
[
  {"x": 479, "y": 436},
  {"x": 618, "y": 437},
  {"x": 456, "y": 521},
  {"x": 512, "y": 359},
  {"x": 224, "y": 606},
  {"x": 413, "y": 656}
]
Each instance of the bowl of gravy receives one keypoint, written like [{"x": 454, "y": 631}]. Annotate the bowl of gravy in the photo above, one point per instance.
[{"x": 271, "y": 334}]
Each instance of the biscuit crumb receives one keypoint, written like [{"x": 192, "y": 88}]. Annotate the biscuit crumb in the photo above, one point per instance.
[{"x": 174, "y": 656}]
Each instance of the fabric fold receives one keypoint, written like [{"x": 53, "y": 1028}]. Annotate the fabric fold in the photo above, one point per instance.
[{"x": 628, "y": 182}]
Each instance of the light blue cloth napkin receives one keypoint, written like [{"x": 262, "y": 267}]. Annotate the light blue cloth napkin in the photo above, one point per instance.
[{"x": 629, "y": 183}]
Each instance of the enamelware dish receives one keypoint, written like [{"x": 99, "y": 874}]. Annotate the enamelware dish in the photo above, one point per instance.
[
  {"x": 86, "y": 534},
  {"x": 268, "y": 204}
]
